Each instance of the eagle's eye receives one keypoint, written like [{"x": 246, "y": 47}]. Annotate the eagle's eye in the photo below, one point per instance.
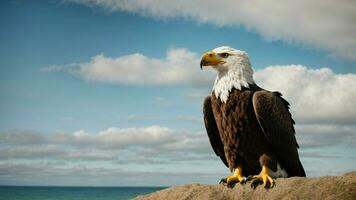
[{"x": 224, "y": 55}]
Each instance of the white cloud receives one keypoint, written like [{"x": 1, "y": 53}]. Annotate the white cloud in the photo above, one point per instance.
[
  {"x": 79, "y": 175},
  {"x": 118, "y": 137},
  {"x": 189, "y": 149},
  {"x": 180, "y": 66},
  {"x": 315, "y": 95},
  {"x": 316, "y": 135},
  {"x": 324, "y": 24},
  {"x": 152, "y": 144},
  {"x": 115, "y": 156},
  {"x": 112, "y": 143}
]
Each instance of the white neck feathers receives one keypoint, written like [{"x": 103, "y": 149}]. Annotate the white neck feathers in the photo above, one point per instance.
[{"x": 239, "y": 75}]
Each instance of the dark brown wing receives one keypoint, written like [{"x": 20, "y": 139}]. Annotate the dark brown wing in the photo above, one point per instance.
[
  {"x": 212, "y": 130},
  {"x": 277, "y": 124}
]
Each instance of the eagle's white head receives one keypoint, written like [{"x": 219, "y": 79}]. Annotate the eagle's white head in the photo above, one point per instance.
[{"x": 234, "y": 70}]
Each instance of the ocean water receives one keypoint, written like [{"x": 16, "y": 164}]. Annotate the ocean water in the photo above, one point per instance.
[{"x": 72, "y": 193}]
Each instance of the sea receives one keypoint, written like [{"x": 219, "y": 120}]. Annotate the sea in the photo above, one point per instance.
[{"x": 73, "y": 193}]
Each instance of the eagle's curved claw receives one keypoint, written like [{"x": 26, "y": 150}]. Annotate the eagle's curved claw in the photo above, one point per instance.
[
  {"x": 231, "y": 181},
  {"x": 267, "y": 184},
  {"x": 225, "y": 183},
  {"x": 229, "y": 185},
  {"x": 222, "y": 181},
  {"x": 236, "y": 177},
  {"x": 263, "y": 178}
]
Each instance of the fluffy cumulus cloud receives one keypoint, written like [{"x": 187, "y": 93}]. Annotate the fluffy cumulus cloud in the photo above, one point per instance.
[
  {"x": 118, "y": 137},
  {"x": 324, "y": 24},
  {"x": 316, "y": 95},
  {"x": 317, "y": 135},
  {"x": 145, "y": 144},
  {"x": 115, "y": 156},
  {"x": 116, "y": 144},
  {"x": 179, "y": 66}
]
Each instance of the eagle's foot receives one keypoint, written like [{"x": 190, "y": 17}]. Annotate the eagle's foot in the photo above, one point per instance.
[
  {"x": 237, "y": 177},
  {"x": 230, "y": 181},
  {"x": 263, "y": 178}
]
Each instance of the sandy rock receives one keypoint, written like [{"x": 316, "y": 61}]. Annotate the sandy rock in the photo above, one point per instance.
[{"x": 328, "y": 187}]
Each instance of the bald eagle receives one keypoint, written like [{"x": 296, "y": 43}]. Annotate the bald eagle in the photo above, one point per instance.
[{"x": 249, "y": 128}]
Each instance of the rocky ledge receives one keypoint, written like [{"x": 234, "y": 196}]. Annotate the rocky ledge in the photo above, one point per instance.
[{"x": 327, "y": 187}]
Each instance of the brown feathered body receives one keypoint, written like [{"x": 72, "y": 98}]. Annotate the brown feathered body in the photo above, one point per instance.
[{"x": 253, "y": 128}]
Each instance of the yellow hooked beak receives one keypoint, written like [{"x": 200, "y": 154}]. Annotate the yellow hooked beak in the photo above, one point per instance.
[{"x": 210, "y": 58}]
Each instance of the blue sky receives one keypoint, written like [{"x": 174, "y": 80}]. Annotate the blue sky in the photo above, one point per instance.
[{"x": 62, "y": 113}]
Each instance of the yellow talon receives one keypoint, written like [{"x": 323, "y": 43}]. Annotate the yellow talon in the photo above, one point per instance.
[
  {"x": 264, "y": 177},
  {"x": 234, "y": 178}
]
